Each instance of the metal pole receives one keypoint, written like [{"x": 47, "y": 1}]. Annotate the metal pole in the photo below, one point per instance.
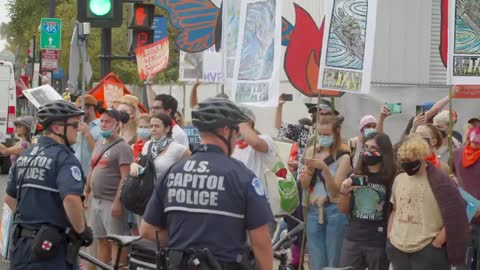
[
  {"x": 51, "y": 8},
  {"x": 33, "y": 59},
  {"x": 106, "y": 51}
]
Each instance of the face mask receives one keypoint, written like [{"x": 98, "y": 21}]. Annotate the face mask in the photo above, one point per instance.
[
  {"x": 325, "y": 141},
  {"x": 106, "y": 133},
  {"x": 143, "y": 133},
  {"x": 412, "y": 167},
  {"x": 371, "y": 158},
  {"x": 475, "y": 136},
  {"x": 444, "y": 133},
  {"x": 368, "y": 131}
]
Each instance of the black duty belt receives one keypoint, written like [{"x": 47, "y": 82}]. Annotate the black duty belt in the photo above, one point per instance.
[{"x": 27, "y": 232}]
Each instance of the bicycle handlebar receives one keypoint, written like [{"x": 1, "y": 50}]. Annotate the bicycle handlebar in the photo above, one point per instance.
[{"x": 289, "y": 236}]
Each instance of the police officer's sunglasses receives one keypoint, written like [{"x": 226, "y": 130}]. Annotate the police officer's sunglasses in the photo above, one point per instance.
[{"x": 73, "y": 124}]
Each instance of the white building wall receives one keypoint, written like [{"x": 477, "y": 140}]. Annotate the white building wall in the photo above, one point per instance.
[{"x": 406, "y": 69}]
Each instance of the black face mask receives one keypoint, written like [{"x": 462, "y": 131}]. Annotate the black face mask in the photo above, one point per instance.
[
  {"x": 444, "y": 133},
  {"x": 371, "y": 158},
  {"x": 411, "y": 167}
]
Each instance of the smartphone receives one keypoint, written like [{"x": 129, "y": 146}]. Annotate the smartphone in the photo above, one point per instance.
[
  {"x": 395, "y": 108},
  {"x": 359, "y": 180},
  {"x": 287, "y": 97},
  {"x": 419, "y": 109}
]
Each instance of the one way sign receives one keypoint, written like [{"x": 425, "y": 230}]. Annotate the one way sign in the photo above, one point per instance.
[{"x": 51, "y": 34}]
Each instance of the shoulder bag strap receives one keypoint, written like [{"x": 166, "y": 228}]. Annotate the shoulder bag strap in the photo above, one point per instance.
[{"x": 104, "y": 151}]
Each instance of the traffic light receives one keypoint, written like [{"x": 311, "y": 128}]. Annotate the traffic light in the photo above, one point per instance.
[
  {"x": 139, "y": 23},
  {"x": 100, "y": 13}
]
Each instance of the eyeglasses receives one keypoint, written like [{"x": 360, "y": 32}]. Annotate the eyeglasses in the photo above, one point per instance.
[{"x": 156, "y": 108}]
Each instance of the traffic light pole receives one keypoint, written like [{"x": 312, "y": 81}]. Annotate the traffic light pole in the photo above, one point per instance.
[{"x": 106, "y": 52}]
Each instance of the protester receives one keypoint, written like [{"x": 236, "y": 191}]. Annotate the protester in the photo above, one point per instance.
[
  {"x": 255, "y": 150},
  {"x": 368, "y": 125},
  {"x": 367, "y": 205},
  {"x": 434, "y": 139},
  {"x": 89, "y": 132},
  {"x": 143, "y": 135},
  {"x": 179, "y": 119},
  {"x": 441, "y": 122},
  {"x": 194, "y": 94},
  {"x": 322, "y": 176},
  {"x": 164, "y": 151},
  {"x": 428, "y": 225},
  {"x": 466, "y": 162},
  {"x": 23, "y": 125},
  {"x": 111, "y": 161},
  {"x": 128, "y": 130}
]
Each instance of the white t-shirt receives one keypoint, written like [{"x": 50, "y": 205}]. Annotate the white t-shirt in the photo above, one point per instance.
[
  {"x": 179, "y": 136},
  {"x": 257, "y": 161},
  {"x": 172, "y": 154}
]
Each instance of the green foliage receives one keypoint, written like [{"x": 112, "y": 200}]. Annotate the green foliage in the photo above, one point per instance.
[{"x": 25, "y": 18}]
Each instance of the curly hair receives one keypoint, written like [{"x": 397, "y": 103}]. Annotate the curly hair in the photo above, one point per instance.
[{"x": 413, "y": 146}]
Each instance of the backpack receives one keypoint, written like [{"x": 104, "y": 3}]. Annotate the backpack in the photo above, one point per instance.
[{"x": 137, "y": 190}]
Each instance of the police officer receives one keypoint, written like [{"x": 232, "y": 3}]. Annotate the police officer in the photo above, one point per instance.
[
  {"x": 46, "y": 190},
  {"x": 210, "y": 200}
]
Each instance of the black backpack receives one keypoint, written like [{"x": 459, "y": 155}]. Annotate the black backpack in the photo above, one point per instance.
[{"x": 137, "y": 190}]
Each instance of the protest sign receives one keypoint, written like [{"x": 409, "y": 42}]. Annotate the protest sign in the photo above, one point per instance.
[
  {"x": 205, "y": 66},
  {"x": 192, "y": 133},
  {"x": 347, "y": 51},
  {"x": 42, "y": 95},
  {"x": 472, "y": 204},
  {"x": 468, "y": 91},
  {"x": 152, "y": 58},
  {"x": 463, "y": 54},
  {"x": 5, "y": 228}
]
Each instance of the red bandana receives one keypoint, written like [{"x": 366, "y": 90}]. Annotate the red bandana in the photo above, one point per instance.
[
  {"x": 433, "y": 159},
  {"x": 470, "y": 155},
  {"x": 242, "y": 144}
]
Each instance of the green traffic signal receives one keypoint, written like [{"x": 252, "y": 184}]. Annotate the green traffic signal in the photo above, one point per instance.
[{"x": 100, "y": 7}]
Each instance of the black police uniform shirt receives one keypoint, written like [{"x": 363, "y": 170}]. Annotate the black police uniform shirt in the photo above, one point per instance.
[
  {"x": 209, "y": 201},
  {"x": 48, "y": 171}
]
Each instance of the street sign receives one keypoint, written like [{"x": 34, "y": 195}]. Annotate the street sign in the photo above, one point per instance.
[
  {"x": 49, "y": 60},
  {"x": 51, "y": 33},
  {"x": 159, "y": 28}
]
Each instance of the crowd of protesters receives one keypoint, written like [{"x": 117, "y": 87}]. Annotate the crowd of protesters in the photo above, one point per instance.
[{"x": 406, "y": 211}]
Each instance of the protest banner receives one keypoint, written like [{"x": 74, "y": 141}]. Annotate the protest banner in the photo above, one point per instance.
[
  {"x": 109, "y": 89},
  {"x": 152, "y": 58},
  {"x": 193, "y": 135},
  {"x": 468, "y": 91},
  {"x": 257, "y": 69},
  {"x": 41, "y": 95},
  {"x": 463, "y": 42},
  {"x": 205, "y": 66},
  {"x": 347, "y": 51}
]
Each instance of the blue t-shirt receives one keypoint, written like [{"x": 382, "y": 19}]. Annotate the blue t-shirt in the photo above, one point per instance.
[
  {"x": 48, "y": 171},
  {"x": 82, "y": 152},
  {"x": 209, "y": 201}
]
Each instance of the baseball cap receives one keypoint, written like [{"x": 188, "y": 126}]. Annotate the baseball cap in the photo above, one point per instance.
[
  {"x": 325, "y": 105},
  {"x": 428, "y": 105},
  {"x": 248, "y": 113},
  {"x": 118, "y": 115},
  {"x": 367, "y": 119},
  {"x": 89, "y": 100}
]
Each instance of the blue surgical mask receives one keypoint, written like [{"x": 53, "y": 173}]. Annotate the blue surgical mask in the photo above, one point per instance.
[
  {"x": 143, "y": 133},
  {"x": 106, "y": 133},
  {"x": 325, "y": 141},
  {"x": 368, "y": 131}
]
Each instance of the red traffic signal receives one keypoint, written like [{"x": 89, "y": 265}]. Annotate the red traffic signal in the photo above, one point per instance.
[{"x": 140, "y": 22}]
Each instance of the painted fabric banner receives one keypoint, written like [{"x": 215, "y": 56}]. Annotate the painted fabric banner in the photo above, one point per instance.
[
  {"x": 205, "y": 66},
  {"x": 152, "y": 58},
  {"x": 464, "y": 42},
  {"x": 347, "y": 52},
  {"x": 231, "y": 23},
  {"x": 256, "y": 75}
]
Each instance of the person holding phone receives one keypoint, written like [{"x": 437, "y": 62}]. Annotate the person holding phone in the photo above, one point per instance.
[
  {"x": 326, "y": 167},
  {"x": 366, "y": 202}
]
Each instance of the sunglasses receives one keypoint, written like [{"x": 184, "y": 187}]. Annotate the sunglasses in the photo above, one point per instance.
[{"x": 73, "y": 124}]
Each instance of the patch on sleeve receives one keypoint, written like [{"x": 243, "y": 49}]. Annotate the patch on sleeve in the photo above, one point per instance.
[
  {"x": 76, "y": 173},
  {"x": 258, "y": 187}
]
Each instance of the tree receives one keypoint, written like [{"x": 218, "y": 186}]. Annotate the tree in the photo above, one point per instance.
[{"x": 25, "y": 18}]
